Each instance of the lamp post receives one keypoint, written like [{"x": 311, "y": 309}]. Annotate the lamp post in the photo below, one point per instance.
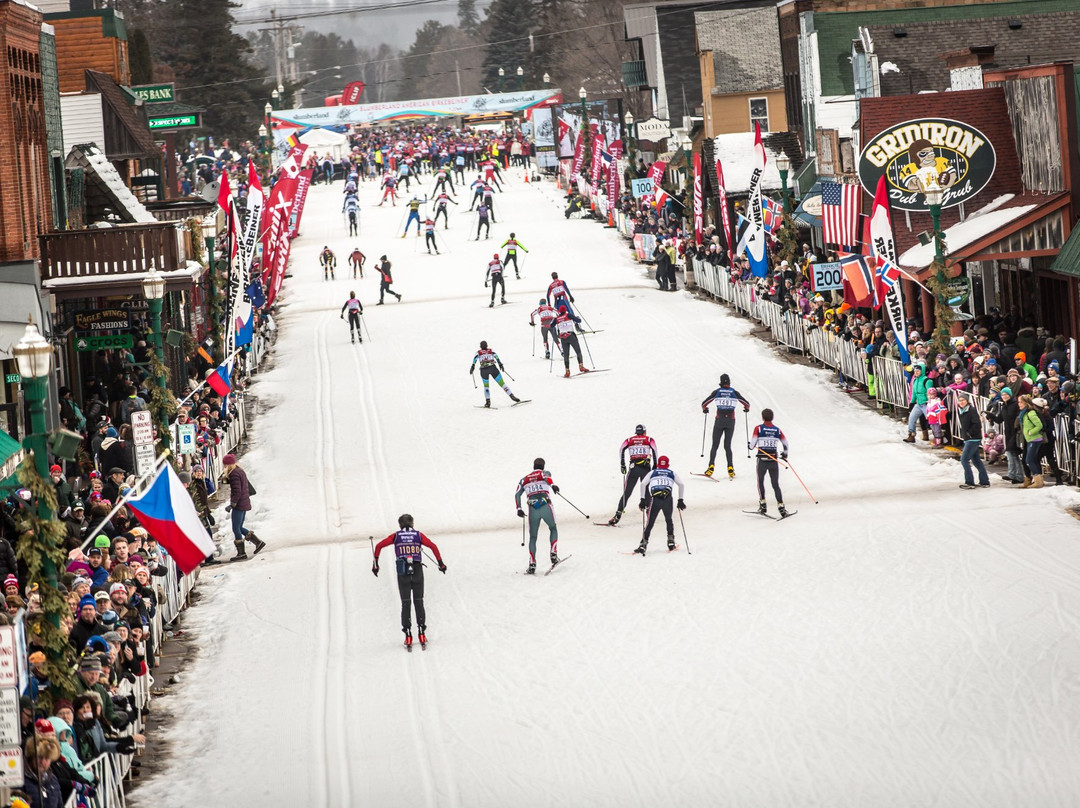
[
  {"x": 933, "y": 201},
  {"x": 501, "y": 74},
  {"x": 547, "y": 80},
  {"x": 33, "y": 356},
  {"x": 274, "y": 97},
  {"x": 585, "y": 130},
  {"x": 521, "y": 78},
  {"x": 783, "y": 165},
  {"x": 628, "y": 136},
  {"x": 209, "y": 228},
  {"x": 154, "y": 291}
]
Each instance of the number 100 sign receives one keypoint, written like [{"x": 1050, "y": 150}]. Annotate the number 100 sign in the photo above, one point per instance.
[{"x": 826, "y": 277}]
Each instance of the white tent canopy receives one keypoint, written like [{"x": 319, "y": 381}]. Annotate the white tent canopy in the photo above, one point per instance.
[{"x": 323, "y": 140}]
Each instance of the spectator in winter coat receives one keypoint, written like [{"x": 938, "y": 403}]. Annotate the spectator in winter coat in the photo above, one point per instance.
[
  {"x": 936, "y": 414},
  {"x": 96, "y": 559},
  {"x": 919, "y": 386},
  {"x": 970, "y": 431},
  {"x": 40, "y": 784},
  {"x": 65, "y": 736},
  {"x": 1031, "y": 427},
  {"x": 994, "y": 445},
  {"x": 1004, "y": 410},
  {"x": 1022, "y": 365},
  {"x": 239, "y": 504},
  {"x": 88, "y": 625}
]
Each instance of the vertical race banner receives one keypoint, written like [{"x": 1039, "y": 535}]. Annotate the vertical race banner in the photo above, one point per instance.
[
  {"x": 303, "y": 182},
  {"x": 884, "y": 249},
  {"x": 721, "y": 191},
  {"x": 597, "y": 162},
  {"x": 698, "y": 213},
  {"x": 613, "y": 174},
  {"x": 656, "y": 174},
  {"x": 757, "y": 215},
  {"x": 242, "y": 322},
  {"x": 579, "y": 155}
]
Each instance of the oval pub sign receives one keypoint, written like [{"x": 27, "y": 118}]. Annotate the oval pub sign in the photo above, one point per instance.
[{"x": 921, "y": 155}]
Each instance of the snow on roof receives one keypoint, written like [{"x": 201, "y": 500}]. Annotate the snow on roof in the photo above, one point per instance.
[
  {"x": 115, "y": 186},
  {"x": 736, "y": 153},
  {"x": 981, "y": 223}
]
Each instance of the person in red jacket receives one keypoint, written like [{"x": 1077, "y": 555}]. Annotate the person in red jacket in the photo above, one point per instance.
[{"x": 410, "y": 571}]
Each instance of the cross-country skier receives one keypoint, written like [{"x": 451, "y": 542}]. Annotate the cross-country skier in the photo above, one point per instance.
[
  {"x": 547, "y": 318},
  {"x": 352, "y": 209},
  {"x": 443, "y": 178},
  {"x": 477, "y": 187},
  {"x": 408, "y": 562},
  {"x": 537, "y": 486},
  {"x": 641, "y": 450},
  {"x": 558, "y": 295},
  {"x": 429, "y": 235},
  {"x": 726, "y": 399},
  {"x": 355, "y": 310},
  {"x": 385, "y": 280},
  {"x": 564, "y": 330},
  {"x": 328, "y": 261},
  {"x": 656, "y": 490},
  {"x": 389, "y": 184},
  {"x": 482, "y": 221},
  {"x": 512, "y": 245},
  {"x": 414, "y": 215},
  {"x": 441, "y": 209},
  {"x": 489, "y": 200},
  {"x": 491, "y": 367},
  {"x": 491, "y": 172},
  {"x": 356, "y": 261},
  {"x": 495, "y": 274},
  {"x": 769, "y": 439}
]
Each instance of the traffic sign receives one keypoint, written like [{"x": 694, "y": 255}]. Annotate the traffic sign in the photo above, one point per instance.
[
  {"x": 10, "y": 725},
  {"x": 142, "y": 427},
  {"x": 11, "y": 767},
  {"x": 186, "y": 439},
  {"x": 9, "y": 661},
  {"x": 145, "y": 458},
  {"x": 104, "y": 342},
  {"x": 184, "y": 121}
]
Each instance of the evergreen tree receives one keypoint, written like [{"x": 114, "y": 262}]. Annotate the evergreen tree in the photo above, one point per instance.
[
  {"x": 416, "y": 61},
  {"x": 508, "y": 23},
  {"x": 139, "y": 60},
  {"x": 468, "y": 20}
]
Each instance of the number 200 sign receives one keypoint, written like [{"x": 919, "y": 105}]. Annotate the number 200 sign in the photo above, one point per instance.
[{"x": 826, "y": 277}]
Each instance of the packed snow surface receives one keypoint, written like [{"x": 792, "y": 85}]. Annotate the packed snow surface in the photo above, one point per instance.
[{"x": 902, "y": 643}]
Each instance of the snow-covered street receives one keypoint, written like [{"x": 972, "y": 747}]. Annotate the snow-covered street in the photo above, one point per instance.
[{"x": 903, "y": 643}]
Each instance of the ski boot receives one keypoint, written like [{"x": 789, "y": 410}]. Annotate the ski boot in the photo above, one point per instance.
[
  {"x": 782, "y": 510},
  {"x": 422, "y": 637},
  {"x": 503, "y": 300},
  {"x": 547, "y": 354},
  {"x": 491, "y": 305},
  {"x": 352, "y": 337},
  {"x": 709, "y": 470},
  {"x": 641, "y": 547},
  {"x": 487, "y": 403},
  {"x": 762, "y": 508},
  {"x": 582, "y": 368},
  {"x": 259, "y": 543},
  {"x": 408, "y": 639},
  {"x": 554, "y": 558},
  {"x": 731, "y": 472},
  {"x": 567, "y": 374},
  {"x": 670, "y": 543},
  {"x": 615, "y": 519},
  {"x": 532, "y": 568},
  {"x": 241, "y": 554},
  {"x": 333, "y": 277},
  {"x": 514, "y": 398}
]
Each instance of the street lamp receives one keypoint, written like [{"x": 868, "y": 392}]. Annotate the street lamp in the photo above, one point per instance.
[
  {"x": 547, "y": 79},
  {"x": 628, "y": 136},
  {"x": 783, "y": 165},
  {"x": 933, "y": 201},
  {"x": 521, "y": 78},
  {"x": 585, "y": 151},
  {"x": 501, "y": 74},
  {"x": 153, "y": 286},
  {"x": 274, "y": 99}
]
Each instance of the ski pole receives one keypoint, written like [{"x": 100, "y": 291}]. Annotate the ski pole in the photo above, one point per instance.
[
  {"x": 533, "y": 329},
  {"x": 787, "y": 465},
  {"x": 523, "y": 531},
  {"x": 746, "y": 427},
  {"x": 432, "y": 560},
  {"x": 507, "y": 372},
  {"x": 591, "y": 360},
  {"x": 577, "y": 309},
  {"x": 575, "y": 507},
  {"x": 363, "y": 322},
  {"x": 684, "y": 539},
  {"x": 372, "y": 540},
  {"x": 471, "y": 376},
  {"x": 704, "y": 429}
]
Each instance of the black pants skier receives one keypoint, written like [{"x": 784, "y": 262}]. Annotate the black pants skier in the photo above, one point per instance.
[
  {"x": 634, "y": 475},
  {"x": 441, "y": 211},
  {"x": 491, "y": 207},
  {"x": 442, "y": 182},
  {"x": 661, "y": 503},
  {"x": 429, "y": 240},
  {"x": 384, "y": 287},
  {"x": 354, "y": 325},
  {"x": 772, "y": 468},
  {"x": 511, "y": 258},
  {"x": 411, "y": 588},
  {"x": 723, "y": 426},
  {"x": 484, "y": 223},
  {"x": 478, "y": 197},
  {"x": 497, "y": 278},
  {"x": 352, "y": 223},
  {"x": 568, "y": 342}
]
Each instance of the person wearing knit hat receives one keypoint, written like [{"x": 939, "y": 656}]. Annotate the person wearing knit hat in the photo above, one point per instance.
[
  {"x": 240, "y": 493},
  {"x": 11, "y": 585},
  {"x": 87, "y": 625}
]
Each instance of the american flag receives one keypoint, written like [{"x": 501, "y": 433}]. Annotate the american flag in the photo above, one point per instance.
[{"x": 840, "y": 213}]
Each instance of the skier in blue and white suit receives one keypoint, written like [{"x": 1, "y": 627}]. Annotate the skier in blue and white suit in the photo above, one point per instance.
[{"x": 656, "y": 490}]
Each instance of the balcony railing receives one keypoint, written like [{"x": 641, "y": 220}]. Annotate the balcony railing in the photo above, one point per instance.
[{"x": 119, "y": 250}]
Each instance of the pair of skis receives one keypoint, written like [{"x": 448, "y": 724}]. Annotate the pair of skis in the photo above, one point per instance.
[
  {"x": 515, "y": 404},
  {"x": 553, "y": 566}
]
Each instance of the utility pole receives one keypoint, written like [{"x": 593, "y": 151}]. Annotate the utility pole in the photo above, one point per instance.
[
  {"x": 277, "y": 44},
  {"x": 457, "y": 69}
]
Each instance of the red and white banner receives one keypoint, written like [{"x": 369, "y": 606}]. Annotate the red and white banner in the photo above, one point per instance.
[
  {"x": 884, "y": 249},
  {"x": 721, "y": 191},
  {"x": 613, "y": 174},
  {"x": 284, "y": 214},
  {"x": 303, "y": 182},
  {"x": 757, "y": 215},
  {"x": 597, "y": 161},
  {"x": 656, "y": 174},
  {"x": 699, "y": 223},
  {"x": 579, "y": 156}
]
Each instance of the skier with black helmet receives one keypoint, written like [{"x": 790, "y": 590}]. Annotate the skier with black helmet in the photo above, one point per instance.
[
  {"x": 726, "y": 399},
  {"x": 537, "y": 486},
  {"x": 547, "y": 317},
  {"x": 408, "y": 560},
  {"x": 656, "y": 490},
  {"x": 490, "y": 367},
  {"x": 642, "y": 453},
  {"x": 494, "y": 274}
]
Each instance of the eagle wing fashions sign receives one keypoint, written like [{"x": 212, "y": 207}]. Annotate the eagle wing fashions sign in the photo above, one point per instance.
[{"x": 924, "y": 155}]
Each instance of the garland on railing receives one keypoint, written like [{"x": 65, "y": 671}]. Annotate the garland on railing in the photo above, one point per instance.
[
  {"x": 194, "y": 228},
  {"x": 41, "y": 540}
]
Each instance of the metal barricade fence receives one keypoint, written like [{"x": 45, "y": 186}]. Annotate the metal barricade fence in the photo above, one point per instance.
[
  {"x": 108, "y": 782},
  {"x": 851, "y": 361},
  {"x": 890, "y": 385},
  {"x": 1065, "y": 445}
]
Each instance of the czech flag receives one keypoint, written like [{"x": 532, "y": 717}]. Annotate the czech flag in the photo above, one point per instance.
[
  {"x": 166, "y": 510},
  {"x": 220, "y": 380}
]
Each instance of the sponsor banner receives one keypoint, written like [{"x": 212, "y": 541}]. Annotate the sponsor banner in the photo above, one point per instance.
[
  {"x": 698, "y": 213},
  {"x": 884, "y": 249},
  {"x": 303, "y": 182},
  {"x": 928, "y": 154}
]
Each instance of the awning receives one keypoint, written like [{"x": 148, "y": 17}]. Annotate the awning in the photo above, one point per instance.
[
  {"x": 982, "y": 223},
  {"x": 809, "y": 210},
  {"x": 1068, "y": 260},
  {"x": 127, "y": 283},
  {"x": 18, "y": 302}
]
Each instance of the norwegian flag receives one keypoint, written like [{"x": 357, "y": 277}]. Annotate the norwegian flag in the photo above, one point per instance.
[
  {"x": 859, "y": 278},
  {"x": 772, "y": 215},
  {"x": 840, "y": 213},
  {"x": 887, "y": 275}
]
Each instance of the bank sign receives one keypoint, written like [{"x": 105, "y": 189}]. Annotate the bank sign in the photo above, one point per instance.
[{"x": 924, "y": 155}]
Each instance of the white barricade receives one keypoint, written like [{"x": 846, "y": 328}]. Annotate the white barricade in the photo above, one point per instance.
[
  {"x": 890, "y": 385},
  {"x": 108, "y": 782},
  {"x": 851, "y": 361}
]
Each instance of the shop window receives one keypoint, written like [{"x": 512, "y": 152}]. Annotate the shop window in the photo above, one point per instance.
[{"x": 759, "y": 113}]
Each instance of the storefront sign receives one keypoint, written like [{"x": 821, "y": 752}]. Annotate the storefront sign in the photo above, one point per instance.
[
  {"x": 102, "y": 320},
  {"x": 12, "y": 378},
  {"x": 826, "y": 277},
  {"x": 155, "y": 93},
  {"x": 928, "y": 154},
  {"x": 105, "y": 342},
  {"x": 957, "y": 291},
  {"x": 186, "y": 121},
  {"x": 653, "y": 130}
]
